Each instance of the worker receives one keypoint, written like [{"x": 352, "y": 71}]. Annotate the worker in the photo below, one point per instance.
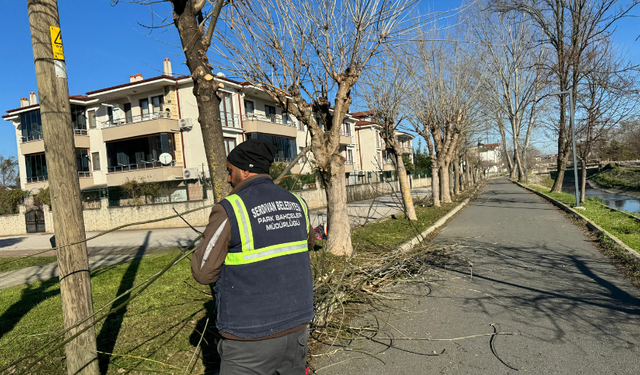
[{"x": 255, "y": 250}]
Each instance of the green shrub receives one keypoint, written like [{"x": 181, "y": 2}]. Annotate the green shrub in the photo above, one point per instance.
[{"x": 10, "y": 199}]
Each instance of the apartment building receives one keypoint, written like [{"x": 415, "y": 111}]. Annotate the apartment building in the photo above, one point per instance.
[
  {"x": 370, "y": 145},
  {"x": 148, "y": 130}
]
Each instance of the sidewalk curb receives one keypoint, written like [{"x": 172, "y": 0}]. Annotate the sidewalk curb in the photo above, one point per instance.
[
  {"x": 590, "y": 224},
  {"x": 442, "y": 221}
]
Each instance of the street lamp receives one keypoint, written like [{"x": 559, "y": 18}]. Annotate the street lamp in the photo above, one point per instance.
[{"x": 573, "y": 139}]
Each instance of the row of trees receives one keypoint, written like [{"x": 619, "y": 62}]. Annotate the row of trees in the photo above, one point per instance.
[{"x": 492, "y": 69}]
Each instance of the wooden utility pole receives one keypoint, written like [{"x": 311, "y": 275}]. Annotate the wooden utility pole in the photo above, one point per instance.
[{"x": 73, "y": 265}]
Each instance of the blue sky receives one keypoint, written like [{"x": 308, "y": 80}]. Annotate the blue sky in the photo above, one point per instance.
[{"x": 105, "y": 44}]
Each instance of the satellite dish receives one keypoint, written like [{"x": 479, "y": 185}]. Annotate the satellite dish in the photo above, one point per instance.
[{"x": 165, "y": 158}]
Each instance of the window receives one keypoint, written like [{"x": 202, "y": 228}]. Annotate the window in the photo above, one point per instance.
[
  {"x": 31, "y": 125},
  {"x": 110, "y": 114},
  {"x": 82, "y": 162},
  {"x": 36, "y": 166},
  {"x": 229, "y": 144},
  {"x": 285, "y": 147},
  {"x": 300, "y": 125},
  {"x": 286, "y": 119},
  {"x": 127, "y": 113},
  {"x": 95, "y": 160},
  {"x": 349, "y": 155},
  {"x": 249, "y": 107},
  {"x": 270, "y": 112},
  {"x": 144, "y": 109},
  {"x": 346, "y": 129},
  {"x": 226, "y": 111},
  {"x": 78, "y": 119},
  {"x": 156, "y": 104},
  {"x": 92, "y": 119}
]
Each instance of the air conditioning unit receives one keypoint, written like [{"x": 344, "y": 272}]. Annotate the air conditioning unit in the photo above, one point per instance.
[
  {"x": 190, "y": 173},
  {"x": 185, "y": 124}
]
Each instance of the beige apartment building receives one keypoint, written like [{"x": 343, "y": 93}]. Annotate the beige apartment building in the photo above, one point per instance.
[
  {"x": 148, "y": 130},
  {"x": 370, "y": 145}
]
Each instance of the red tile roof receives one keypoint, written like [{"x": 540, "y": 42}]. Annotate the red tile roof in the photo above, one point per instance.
[
  {"x": 18, "y": 109},
  {"x": 491, "y": 145},
  {"x": 130, "y": 84},
  {"x": 363, "y": 123},
  {"x": 80, "y": 97},
  {"x": 362, "y": 113}
]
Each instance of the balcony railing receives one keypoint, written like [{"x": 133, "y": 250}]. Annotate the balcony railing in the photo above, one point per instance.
[
  {"x": 46, "y": 177},
  {"x": 138, "y": 166},
  {"x": 135, "y": 119},
  {"x": 348, "y": 162},
  {"x": 38, "y": 136},
  {"x": 31, "y": 138},
  {"x": 37, "y": 179},
  {"x": 271, "y": 118},
  {"x": 230, "y": 120}
]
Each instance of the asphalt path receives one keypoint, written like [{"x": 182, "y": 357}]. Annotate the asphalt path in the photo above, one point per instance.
[
  {"x": 509, "y": 263},
  {"x": 124, "y": 245}
]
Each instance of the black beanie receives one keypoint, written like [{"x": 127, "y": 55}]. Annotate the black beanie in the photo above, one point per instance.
[{"x": 253, "y": 155}]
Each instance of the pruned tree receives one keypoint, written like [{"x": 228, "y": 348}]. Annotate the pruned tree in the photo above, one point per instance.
[
  {"x": 384, "y": 89},
  {"x": 196, "y": 22},
  {"x": 569, "y": 27},
  {"x": 307, "y": 56},
  {"x": 514, "y": 77},
  {"x": 9, "y": 174},
  {"x": 446, "y": 98},
  {"x": 608, "y": 96}
]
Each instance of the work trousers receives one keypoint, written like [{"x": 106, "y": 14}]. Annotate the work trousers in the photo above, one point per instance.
[{"x": 285, "y": 355}]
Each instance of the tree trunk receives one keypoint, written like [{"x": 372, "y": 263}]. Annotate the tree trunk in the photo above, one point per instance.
[
  {"x": 458, "y": 178},
  {"x": 562, "y": 167},
  {"x": 405, "y": 189},
  {"x": 338, "y": 226},
  {"x": 518, "y": 163},
  {"x": 514, "y": 169},
  {"x": 445, "y": 191},
  {"x": 504, "y": 147},
  {"x": 583, "y": 179},
  {"x": 205, "y": 90},
  {"x": 435, "y": 182},
  {"x": 467, "y": 172}
]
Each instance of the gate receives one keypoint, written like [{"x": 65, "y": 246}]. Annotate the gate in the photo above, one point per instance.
[{"x": 35, "y": 221}]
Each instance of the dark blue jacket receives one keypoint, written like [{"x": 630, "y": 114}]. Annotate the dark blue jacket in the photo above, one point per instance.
[{"x": 265, "y": 284}]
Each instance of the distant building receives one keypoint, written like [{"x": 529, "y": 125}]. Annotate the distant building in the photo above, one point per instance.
[{"x": 490, "y": 155}]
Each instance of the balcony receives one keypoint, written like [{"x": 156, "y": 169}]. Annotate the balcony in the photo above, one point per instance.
[
  {"x": 41, "y": 182},
  {"x": 135, "y": 126},
  {"x": 345, "y": 138},
  {"x": 34, "y": 144},
  {"x": 407, "y": 150},
  {"x": 349, "y": 166},
  {"x": 148, "y": 171},
  {"x": 273, "y": 125}
]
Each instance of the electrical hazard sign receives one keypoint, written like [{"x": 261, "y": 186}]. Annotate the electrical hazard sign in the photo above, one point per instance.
[{"x": 56, "y": 43}]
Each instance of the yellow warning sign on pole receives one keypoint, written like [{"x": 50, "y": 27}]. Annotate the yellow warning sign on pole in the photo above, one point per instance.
[{"x": 56, "y": 43}]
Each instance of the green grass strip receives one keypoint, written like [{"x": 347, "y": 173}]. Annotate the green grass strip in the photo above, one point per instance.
[
  {"x": 625, "y": 228},
  {"x": 17, "y": 263}
]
